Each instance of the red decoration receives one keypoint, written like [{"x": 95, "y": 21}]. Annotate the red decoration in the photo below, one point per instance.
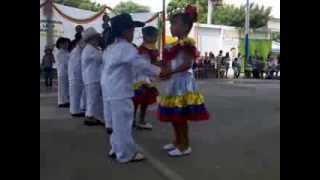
[
  {"x": 152, "y": 53},
  {"x": 192, "y": 11}
]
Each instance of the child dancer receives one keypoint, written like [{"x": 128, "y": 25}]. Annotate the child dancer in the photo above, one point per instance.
[
  {"x": 145, "y": 93},
  {"x": 91, "y": 64},
  {"x": 62, "y": 58},
  {"x": 120, "y": 58},
  {"x": 182, "y": 100},
  {"x": 76, "y": 86}
]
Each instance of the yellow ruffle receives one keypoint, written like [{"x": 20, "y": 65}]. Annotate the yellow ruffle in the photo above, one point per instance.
[
  {"x": 190, "y": 98},
  {"x": 138, "y": 84}
]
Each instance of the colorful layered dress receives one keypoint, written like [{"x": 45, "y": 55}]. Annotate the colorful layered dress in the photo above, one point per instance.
[
  {"x": 181, "y": 100},
  {"x": 144, "y": 91}
]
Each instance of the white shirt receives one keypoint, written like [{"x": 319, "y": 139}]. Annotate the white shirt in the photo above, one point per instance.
[
  {"x": 140, "y": 76},
  {"x": 91, "y": 64},
  {"x": 74, "y": 66},
  {"x": 120, "y": 58},
  {"x": 62, "y": 58}
]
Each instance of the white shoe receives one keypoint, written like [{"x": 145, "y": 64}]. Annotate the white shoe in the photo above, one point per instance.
[
  {"x": 168, "y": 147},
  {"x": 176, "y": 152},
  {"x": 144, "y": 126}
]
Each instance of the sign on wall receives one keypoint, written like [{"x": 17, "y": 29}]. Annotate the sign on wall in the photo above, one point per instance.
[{"x": 56, "y": 26}]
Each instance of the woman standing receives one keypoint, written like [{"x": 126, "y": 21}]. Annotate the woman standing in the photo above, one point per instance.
[{"x": 62, "y": 64}]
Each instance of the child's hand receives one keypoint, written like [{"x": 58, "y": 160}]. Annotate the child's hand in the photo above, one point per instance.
[{"x": 165, "y": 73}]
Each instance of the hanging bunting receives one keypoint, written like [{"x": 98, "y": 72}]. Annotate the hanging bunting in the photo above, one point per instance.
[
  {"x": 81, "y": 21},
  {"x": 44, "y": 3},
  {"x": 93, "y": 17}
]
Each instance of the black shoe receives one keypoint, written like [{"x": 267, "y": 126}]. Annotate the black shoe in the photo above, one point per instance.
[
  {"x": 109, "y": 131},
  {"x": 66, "y": 105},
  {"x": 113, "y": 156},
  {"x": 78, "y": 115},
  {"x": 92, "y": 122}
]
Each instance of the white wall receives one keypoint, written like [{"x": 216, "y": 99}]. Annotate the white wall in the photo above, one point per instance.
[{"x": 67, "y": 28}]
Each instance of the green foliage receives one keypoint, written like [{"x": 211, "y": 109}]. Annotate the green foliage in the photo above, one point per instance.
[
  {"x": 202, "y": 8},
  {"x": 130, "y": 7},
  {"x": 227, "y": 14},
  {"x": 81, "y": 4},
  {"x": 262, "y": 46}
]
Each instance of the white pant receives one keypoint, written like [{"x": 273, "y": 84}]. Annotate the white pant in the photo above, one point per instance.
[
  {"x": 119, "y": 115},
  {"x": 94, "y": 104},
  {"x": 76, "y": 91},
  {"x": 63, "y": 90},
  {"x": 83, "y": 101}
]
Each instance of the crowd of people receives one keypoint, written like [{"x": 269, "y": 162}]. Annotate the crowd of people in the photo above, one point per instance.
[
  {"x": 106, "y": 79},
  {"x": 254, "y": 67}
]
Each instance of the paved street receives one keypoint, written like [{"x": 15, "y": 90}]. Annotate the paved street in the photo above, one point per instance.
[{"x": 240, "y": 142}]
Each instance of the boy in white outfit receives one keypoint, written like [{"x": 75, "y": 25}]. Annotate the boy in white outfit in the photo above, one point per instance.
[
  {"x": 120, "y": 58},
  {"x": 91, "y": 64},
  {"x": 62, "y": 59},
  {"x": 76, "y": 86}
]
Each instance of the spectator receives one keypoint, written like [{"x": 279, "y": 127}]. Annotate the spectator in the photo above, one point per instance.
[
  {"x": 106, "y": 31},
  {"x": 206, "y": 66},
  {"x": 220, "y": 68},
  {"x": 195, "y": 70},
  {"x": 272, "y": 67},
  {"x": 248, "y": 67},
  {"x": 47, "y": 65},
  {"x": 237, "y": 66},
  {"x": 278, "y": 66},
  {"x": 226, "y": 63},
  {"x": 255, "y": 65},
  {"x": 201, "y": 68}
]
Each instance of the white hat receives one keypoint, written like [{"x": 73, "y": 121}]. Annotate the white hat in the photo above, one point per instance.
[{"x": 88, "y": 33}]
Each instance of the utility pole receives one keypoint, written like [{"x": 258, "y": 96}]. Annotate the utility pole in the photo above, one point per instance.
[
  {"x": 210, "y": 8},
  {"x": 247, "y": 31},
  {"x": 48, "y": 12}
]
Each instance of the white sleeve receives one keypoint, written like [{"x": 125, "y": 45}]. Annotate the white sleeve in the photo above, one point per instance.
[
  {"x": 144, "y": 67},
  {"x": 137, "y": 61}
]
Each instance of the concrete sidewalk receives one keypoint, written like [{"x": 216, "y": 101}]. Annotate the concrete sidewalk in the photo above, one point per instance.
[{"x": 241, "y": 142}]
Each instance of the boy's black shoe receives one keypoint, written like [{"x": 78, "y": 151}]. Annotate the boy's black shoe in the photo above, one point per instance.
[{"x": 78, "y": 115}]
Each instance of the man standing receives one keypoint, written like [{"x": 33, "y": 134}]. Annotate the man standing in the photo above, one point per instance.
[
  {"x": 220, "y": 68},
  {"x": 106, "y": 30},
  {"x": 47, "y": 63}
]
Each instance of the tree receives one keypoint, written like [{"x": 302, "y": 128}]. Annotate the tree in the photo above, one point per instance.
[
  {"x": 130, "y": 7},
  {"x": 81, "y": 4},
  {"x": 203, "y": 7},
  {"x": 227, "y": 14}
]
